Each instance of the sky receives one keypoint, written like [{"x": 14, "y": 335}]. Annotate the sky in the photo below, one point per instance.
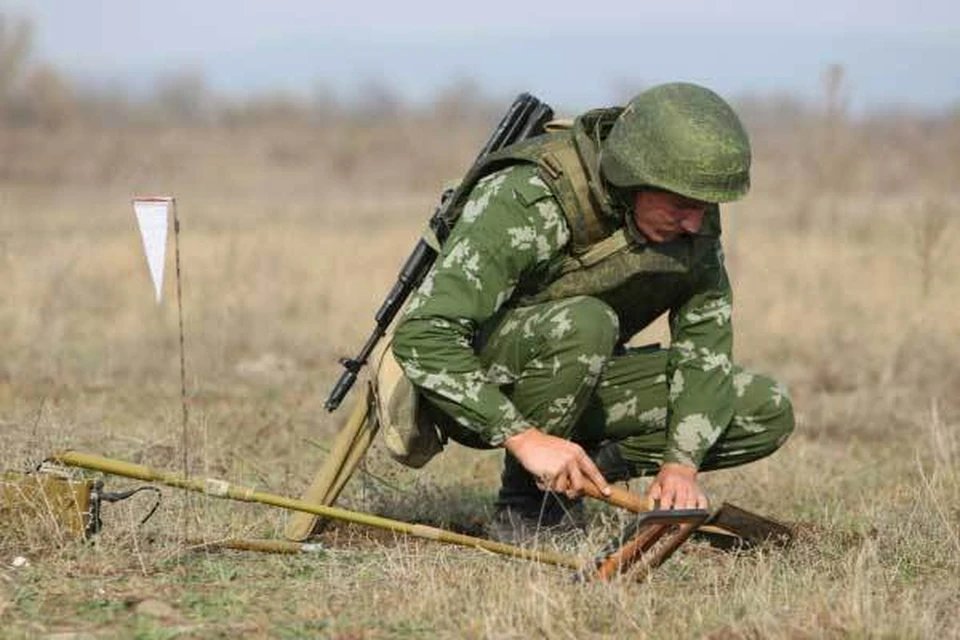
[{"x": 895, "y": 53}]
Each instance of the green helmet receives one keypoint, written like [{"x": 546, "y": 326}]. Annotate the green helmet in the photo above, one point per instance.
[{"x": 680, "y": 137}]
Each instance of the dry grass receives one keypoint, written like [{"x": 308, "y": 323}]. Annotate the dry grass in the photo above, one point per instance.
[{"x": 291, "y": 235}]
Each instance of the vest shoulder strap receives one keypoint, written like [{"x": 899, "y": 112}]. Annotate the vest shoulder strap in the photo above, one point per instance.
[
  {"x": 561, "y": 167},
  {"x": 597, "y": 252},
  {"x": 562, "y": 163}
]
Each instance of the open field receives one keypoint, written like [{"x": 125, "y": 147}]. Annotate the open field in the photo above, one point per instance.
[{"x": 845, "y": 279}]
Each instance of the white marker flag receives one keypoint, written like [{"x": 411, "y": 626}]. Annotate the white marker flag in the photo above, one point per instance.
[{"x": 153, "y": 215}]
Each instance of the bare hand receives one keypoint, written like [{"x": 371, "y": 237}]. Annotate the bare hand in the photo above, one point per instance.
[
  {"x": 676, "y": 488},
  {"x": 558, "y": 465}
]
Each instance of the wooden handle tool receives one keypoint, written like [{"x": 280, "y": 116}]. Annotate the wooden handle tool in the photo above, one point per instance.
[{"x": 620, "y": 497}]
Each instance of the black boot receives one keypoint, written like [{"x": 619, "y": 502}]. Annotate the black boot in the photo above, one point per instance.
[
  {"x": 522, "y": 511},
  {"x": 611, "y": 464}
]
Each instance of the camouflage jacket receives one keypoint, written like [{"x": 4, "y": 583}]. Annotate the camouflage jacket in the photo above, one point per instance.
[{"x": 510, "y": 244}]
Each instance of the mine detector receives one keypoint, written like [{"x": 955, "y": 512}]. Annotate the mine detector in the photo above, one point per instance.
[{"x": 647, "y": 540}]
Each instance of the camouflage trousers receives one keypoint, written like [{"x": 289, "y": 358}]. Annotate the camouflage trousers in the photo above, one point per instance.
[{"x": 576, "y": 388}]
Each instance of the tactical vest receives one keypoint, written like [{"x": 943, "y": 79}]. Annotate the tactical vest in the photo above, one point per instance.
[{"x": 605, "y": 251}]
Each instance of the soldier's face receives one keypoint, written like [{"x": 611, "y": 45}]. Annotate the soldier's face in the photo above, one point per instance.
[{"x": 662, "y": 216}]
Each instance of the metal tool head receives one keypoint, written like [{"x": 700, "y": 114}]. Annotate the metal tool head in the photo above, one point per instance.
[
  {"x": 648, "y": 540},
  {"x": 731, "y": 527}
]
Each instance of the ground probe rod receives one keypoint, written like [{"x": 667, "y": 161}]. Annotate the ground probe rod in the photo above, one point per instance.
[{"x": 222, "y": 489}]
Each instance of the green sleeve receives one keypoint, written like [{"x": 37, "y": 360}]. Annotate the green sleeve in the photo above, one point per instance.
[
  {"x": 699, "y": 367},
  {"x": 509, "y": 225}
]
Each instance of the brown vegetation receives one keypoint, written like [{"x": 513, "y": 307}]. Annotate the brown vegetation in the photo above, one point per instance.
[{"x": 295, "y": 218}]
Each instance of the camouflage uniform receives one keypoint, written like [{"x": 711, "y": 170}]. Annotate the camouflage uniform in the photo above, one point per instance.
[
  {"x": 496, "y": 369},
  {"x": 498, "y": 340}
]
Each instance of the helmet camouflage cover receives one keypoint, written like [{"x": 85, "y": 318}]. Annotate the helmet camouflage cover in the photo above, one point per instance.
[{"x": 680, "y": 137}]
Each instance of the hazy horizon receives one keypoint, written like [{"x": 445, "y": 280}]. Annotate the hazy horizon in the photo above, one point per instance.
[{"x": 897, "y": 55}]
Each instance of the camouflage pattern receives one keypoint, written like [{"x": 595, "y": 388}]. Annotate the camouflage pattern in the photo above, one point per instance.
[
  {"x": 633, "y": 401},
  {"x": 683, "y": 138},
  {"x": 568, "y": 160},
  {"x": 510, "y": 235},
  {"x": 496, "y": 361}
]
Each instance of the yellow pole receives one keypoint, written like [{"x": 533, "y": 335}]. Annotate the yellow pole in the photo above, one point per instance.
[
  {"x": 222, "y": 489},
  {"x": 257, "y": 544},
  {"x": 348, "y": 449}
]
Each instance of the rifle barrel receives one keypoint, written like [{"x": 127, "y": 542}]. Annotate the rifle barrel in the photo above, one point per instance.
[{"x": 524, "y": 118}]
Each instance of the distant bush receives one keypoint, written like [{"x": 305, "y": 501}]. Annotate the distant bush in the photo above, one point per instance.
[{"x": 31, "y": 93}]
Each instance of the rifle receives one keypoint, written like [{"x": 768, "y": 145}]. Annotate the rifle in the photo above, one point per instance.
[{"x": 524, "y": 119}]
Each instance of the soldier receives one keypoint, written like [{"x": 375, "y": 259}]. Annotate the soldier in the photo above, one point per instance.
[{"x": 567, "y": 245}]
